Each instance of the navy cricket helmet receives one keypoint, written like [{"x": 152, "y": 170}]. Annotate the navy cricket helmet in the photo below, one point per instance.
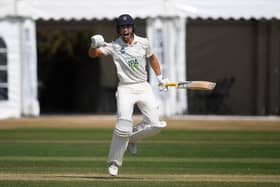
[{"x": 124, "y": 19}]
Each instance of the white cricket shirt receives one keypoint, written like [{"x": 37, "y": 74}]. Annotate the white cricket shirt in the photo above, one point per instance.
[{"x": 130, "y": 59}]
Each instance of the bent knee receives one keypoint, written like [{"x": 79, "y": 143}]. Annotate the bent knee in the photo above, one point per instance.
[{"x": 123, "y": 128}]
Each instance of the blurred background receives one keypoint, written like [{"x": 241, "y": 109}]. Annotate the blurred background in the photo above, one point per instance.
[{"x": 45, "y": 68}]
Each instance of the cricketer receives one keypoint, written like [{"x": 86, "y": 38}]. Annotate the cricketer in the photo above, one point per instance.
[{"x": 130, "y": 54}]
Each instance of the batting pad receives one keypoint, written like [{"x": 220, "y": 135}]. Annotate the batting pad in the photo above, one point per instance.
[
  {"x": 123, "y": 128},
  {"x": 119, "y": 141},
  {"x": 117, "y": 149},
  {"x": 142, "y": 131}
]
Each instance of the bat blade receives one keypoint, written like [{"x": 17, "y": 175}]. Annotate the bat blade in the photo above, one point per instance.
[{"x": 192, "y": 85}]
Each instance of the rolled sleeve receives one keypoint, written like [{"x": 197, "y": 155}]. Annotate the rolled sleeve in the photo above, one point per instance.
[
  {"x": 149, "y": 51},
  {"x": 107, "y": 50}
]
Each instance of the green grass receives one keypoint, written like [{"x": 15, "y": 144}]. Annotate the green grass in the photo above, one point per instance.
[
  {"x": 130, "y": 184},
  {"x": 172, "y": 152}
]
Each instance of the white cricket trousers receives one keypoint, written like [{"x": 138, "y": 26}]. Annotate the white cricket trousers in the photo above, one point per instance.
[
  {"x": 127, "y": 96},
  {"x": 140, "y": 94}
]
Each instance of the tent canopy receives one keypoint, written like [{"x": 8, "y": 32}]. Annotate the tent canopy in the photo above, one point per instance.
[
  {"x": 165, "y": 28},
  {"x": 109, "y": 9}
]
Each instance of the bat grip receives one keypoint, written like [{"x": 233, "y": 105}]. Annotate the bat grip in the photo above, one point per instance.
[{"x": 171, "y": 84}]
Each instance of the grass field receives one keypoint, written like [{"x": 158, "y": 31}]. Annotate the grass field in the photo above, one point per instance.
[{"x": 71, "y": 152}]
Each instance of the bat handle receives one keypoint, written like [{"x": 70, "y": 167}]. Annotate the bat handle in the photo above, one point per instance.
[{"x": 170, "y": 84}]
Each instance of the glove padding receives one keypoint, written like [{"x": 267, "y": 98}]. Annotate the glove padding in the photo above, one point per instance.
[
  {"x": 97, "y": 41},
  {"x": 162, "y": 83}
]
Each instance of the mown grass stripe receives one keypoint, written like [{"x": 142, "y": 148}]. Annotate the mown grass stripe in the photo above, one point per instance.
[
  {"x": 206, "y": 142},
  {"x": 55, "y": 141},
  {"x": 139, "y": 159},
  {"x": 142, "y": 177}
]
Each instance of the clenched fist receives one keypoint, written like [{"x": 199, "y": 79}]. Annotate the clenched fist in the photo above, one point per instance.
[{"x": 97, "y": 41}]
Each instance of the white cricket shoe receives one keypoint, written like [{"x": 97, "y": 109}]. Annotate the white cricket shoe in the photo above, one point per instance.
[
  {"x": 162, "y": 124},
  {"x": 113, "y": 170},
  {"x": 132, "y": 148}
]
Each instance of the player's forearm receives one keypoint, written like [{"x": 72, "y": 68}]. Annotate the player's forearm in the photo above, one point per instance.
[
  {"x": 94, "y": 52},
  {"x": 155, "y": 64}
]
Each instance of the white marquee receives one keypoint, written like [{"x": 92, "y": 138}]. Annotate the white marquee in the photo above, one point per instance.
[
  {"x": 165, "y": 23},
  {"x": 109, "y": 9}
]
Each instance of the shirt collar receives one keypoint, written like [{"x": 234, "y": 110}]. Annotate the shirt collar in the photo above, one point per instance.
[{"x": 135, "y": 40}]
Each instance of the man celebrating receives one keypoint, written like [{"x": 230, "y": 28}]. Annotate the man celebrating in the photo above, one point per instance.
[{"x": 130, "y": 53}]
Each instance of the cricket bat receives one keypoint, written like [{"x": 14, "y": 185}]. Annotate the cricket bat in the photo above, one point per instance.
[{"x": 192, "y": 85}]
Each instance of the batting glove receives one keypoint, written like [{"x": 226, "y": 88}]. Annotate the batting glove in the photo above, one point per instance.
[
  {"x": 97, "y": 41},
  {"x": 162, "y": 83}
]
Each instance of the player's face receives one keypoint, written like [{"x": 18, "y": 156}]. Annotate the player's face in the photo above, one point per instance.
[{"x": 126, "y": 32}]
